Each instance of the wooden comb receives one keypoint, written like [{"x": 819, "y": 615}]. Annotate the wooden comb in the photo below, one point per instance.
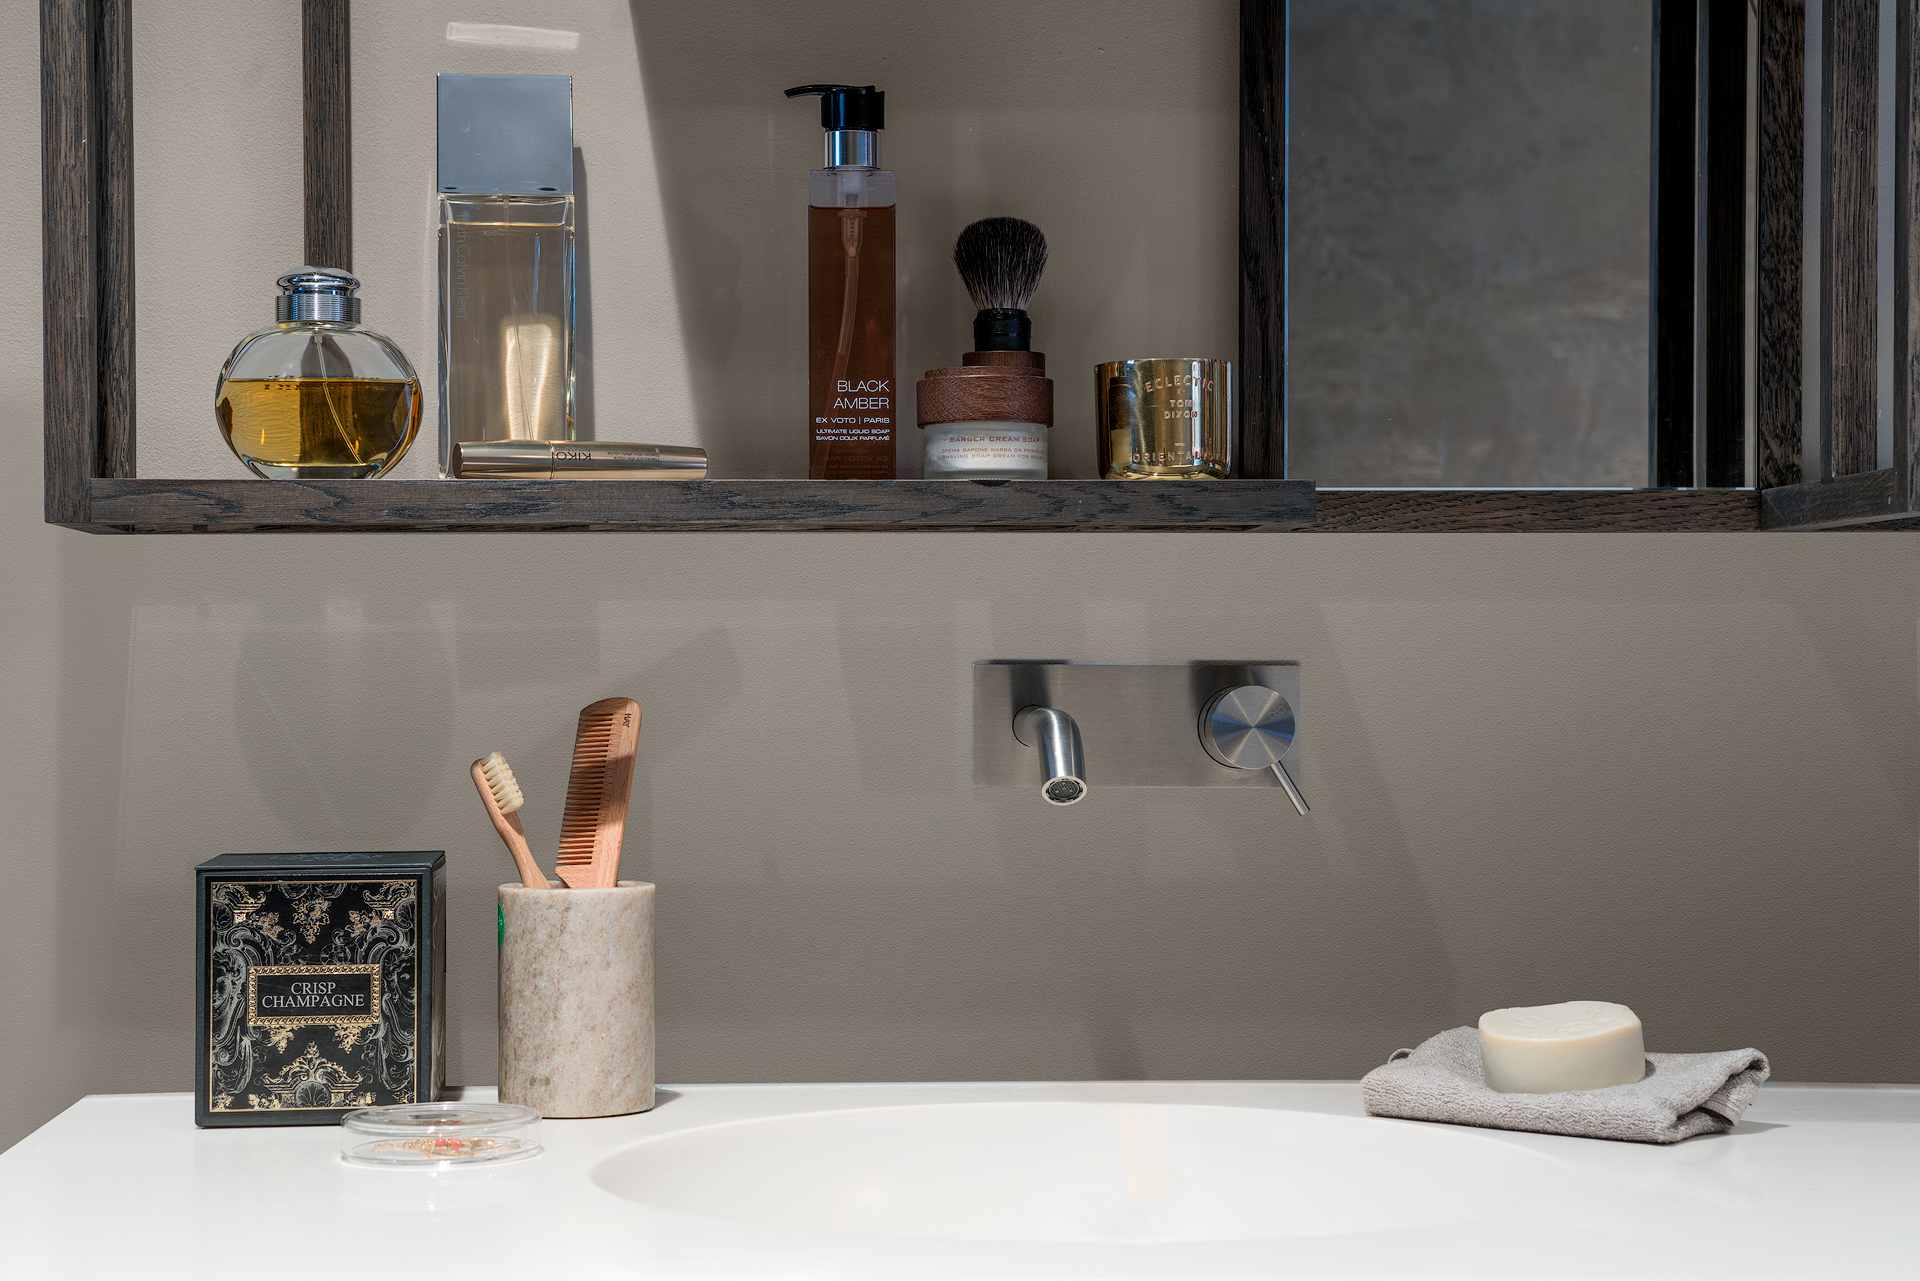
[{"x": 595, "y": 819}]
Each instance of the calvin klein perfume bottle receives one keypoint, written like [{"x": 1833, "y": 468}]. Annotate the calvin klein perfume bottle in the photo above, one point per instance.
[
  {"x": 316, "y": 397},
  {"x": 506, "y": 259},
  {"x": 850, "y": 204}
]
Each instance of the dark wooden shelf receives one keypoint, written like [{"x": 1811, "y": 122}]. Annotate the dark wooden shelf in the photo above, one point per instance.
[
  {"x": 258, "y": 506},
  {"x": 346, "y": 506},
  {"x": 1866, "y": 500},
  {"x": 1534, "y": 510}
]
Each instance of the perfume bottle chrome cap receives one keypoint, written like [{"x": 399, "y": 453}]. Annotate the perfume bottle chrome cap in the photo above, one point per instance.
[
  {"x": 317, "y": 293},
  {"x": 506, "y": 135}
]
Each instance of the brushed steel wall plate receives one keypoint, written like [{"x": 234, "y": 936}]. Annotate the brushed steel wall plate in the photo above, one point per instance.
[{"x": 1139, "y": 722}]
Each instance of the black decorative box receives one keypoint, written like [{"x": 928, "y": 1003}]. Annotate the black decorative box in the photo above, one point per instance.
[{"x": 321, "y": 985}]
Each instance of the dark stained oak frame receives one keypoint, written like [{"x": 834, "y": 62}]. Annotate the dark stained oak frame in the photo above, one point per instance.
[
  {"x": 87, "y": 209},
  {"x": 1833, "y": 481}
]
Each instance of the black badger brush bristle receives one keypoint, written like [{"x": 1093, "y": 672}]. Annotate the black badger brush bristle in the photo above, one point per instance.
[{"x": 1000, "y": 261}]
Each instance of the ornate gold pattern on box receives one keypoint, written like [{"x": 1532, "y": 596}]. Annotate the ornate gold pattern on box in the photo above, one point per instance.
[
  {"x": 269, "y": 934},
  {"x": 311, "y": 1081},
  {"x": 310, "y": 918}
]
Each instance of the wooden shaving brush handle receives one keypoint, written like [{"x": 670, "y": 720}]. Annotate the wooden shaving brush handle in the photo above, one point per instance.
[{"x": 986, "y": 393}]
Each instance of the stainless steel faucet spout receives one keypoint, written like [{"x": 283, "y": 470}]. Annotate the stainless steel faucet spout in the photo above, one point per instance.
[{"x": 1058, "y": 738}]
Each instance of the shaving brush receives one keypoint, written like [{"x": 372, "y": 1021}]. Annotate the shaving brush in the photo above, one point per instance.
[
  {"x": 1000, "y": 261},
  {"x": 989, "y": 418}
]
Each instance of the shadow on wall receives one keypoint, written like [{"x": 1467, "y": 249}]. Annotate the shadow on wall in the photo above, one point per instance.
[
  {"x": 1110, "y": 127},
  {"x": 313, "y": 684},
  {"x": 838, "y": 901}
]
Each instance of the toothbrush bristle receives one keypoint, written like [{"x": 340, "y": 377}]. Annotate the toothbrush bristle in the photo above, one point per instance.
[{"x": 506, "y": 789}]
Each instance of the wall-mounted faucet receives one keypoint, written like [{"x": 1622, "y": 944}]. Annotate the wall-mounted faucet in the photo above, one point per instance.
[
  {"x": 1058, "y": 738},
  {"x": 1202, "y": 724}
]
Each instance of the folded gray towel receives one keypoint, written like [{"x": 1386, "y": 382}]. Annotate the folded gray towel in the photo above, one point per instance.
[{"x": 1682, "y": 1094}]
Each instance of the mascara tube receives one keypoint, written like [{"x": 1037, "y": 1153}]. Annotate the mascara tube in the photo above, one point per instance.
[{"x": 573, "y": 460}]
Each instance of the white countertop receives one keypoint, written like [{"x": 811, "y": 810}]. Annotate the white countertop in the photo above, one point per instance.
[{"x": 1815, "y": 1183}]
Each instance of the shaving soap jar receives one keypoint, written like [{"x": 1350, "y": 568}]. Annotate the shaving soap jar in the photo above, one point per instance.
[
  {"x": 1165, "y": 419},
  {"x": 989, "y": 419}
]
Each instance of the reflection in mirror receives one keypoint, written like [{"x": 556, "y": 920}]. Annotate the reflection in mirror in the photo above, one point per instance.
[{"x": 1467, "y": 242}]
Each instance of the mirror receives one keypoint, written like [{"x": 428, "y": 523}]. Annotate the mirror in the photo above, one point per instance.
[{"x": 1468, "y": 242}]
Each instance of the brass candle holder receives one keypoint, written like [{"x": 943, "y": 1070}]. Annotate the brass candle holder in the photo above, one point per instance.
[{"x": 1165, "y": 419}]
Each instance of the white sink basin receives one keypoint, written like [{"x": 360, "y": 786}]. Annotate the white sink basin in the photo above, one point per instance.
[{"x": 1081, "y": 1172}]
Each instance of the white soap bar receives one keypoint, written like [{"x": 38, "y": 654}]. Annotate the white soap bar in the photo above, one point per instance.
[{"x": 1576, "y": 1045}]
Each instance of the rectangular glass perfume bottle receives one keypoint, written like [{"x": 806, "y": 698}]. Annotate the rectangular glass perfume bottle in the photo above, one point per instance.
[{"x": 506, "y": 259}]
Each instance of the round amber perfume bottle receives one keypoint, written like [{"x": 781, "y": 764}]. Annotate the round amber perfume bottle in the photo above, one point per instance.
[{"x": 316, "y": 397}]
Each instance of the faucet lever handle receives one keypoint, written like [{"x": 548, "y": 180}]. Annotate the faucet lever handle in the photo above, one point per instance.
[
  {"x": 1293, "y": 793},
  {"x": 1251, "y": 727}
]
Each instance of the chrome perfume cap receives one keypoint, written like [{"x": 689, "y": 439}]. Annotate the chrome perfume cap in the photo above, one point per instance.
[{"x": 317, "y": 293}]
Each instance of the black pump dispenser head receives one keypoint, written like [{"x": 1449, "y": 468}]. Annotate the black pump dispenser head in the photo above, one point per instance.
[{"x": 847, "y": 106}]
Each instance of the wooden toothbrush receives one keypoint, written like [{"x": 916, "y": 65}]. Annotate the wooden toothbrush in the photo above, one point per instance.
[
  {"x": 503, "y": 798},
  {"x": 595, "y": 819}
]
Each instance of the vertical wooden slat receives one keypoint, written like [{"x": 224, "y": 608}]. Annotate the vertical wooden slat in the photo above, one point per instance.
[
  {"x": 1722, "y": 360},
  {"x": 1676, "y": 45},
  {"x": 113, "y": 229},
  {"x": 1782, "y": 196},
  {"x": 1906, "y": 256},
  {"x": 1850, "y": 75},
  {"x": 1263, "y": 251},
  {"x": 68, "y": 107},
  {"x": 329, "y": 135}
]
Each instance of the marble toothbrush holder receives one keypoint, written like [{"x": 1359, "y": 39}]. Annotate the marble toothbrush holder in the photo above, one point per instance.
[{"x": 576, "y": 999}]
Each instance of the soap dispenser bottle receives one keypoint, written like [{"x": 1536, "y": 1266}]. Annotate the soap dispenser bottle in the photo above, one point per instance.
[
  {"x": 314, "y": 396},
  {"x": 851, "y": 404}
]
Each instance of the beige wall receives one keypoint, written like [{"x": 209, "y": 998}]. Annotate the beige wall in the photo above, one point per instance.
[{"x": 1676, "y": 771}]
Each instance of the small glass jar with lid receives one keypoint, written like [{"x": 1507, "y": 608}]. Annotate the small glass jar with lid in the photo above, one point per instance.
[{"x": 314, "y": 396}]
